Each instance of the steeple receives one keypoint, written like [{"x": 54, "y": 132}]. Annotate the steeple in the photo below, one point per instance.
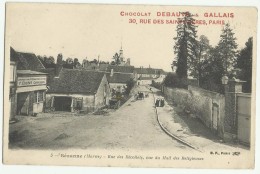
[{"x": 121, "y": 55}]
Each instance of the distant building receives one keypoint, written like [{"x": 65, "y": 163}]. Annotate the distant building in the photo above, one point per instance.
[
  {"x": 27, "y": 86},
  {"x": 145, "y": 76},
  {"x": 75, "y": 89},
  {"x": 118, "y": 76},
  {"x": 121, "y": 59}
]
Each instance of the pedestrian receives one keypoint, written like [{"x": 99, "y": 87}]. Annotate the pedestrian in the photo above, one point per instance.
[
  {"x": 157, "y": 102},
  {"x": 162, "y": 102}
]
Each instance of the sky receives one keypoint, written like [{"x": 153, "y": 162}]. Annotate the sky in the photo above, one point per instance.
[{"x": 88, "y": 31}]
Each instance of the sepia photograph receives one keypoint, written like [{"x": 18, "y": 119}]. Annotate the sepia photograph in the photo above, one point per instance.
[{"x": 129, "y": 85}]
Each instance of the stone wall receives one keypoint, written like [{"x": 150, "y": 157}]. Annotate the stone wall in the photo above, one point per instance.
[
  {"x": 87, "y": 101},
  {"x": 103, "y": 94},
  {"x": 199, "y": 103}
]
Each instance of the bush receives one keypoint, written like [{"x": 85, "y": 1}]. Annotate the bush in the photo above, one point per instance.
[
  {"x": 156, "y": 85},
  {"x": 172, "y": 80}
]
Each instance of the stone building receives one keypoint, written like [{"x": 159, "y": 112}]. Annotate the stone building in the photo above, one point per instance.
[
  {"x": 27, "y": 86},
  {"x": 118, "y": 76},
  {"x": 75, "y": 89},
  {"x": 145, "y": 76}
]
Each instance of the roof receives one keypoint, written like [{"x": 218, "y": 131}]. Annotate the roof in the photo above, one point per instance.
[
  {"x": 76, "y": 81},
  {"x": 25, "y": 61},
  {"x": 13, "y": 55},
  {"x": 103, "y": 67},
  {"x": 146, "y": 78},
  {"x": 121, "y": 69},
  {"x": 29, "y": 72},
  {"x": 149, "y": 71},
  {"x": 50, "y": 73},
  {"x": 118, "y": 77}
]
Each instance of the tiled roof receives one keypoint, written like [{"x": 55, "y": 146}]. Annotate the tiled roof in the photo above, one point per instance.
[
  {"x": 146, "y": 78},
  {"x": 118, "y": 77},
  {"x": 76, "y": 81},
  {"x": 121, "y": 69},
  {"x": 103, "y": 67},
  {"x": 13, "y": 55},
  {"x": 149, "y": 71},
  {"x": 50, "y": 74},
  {"x": 26, "y": 61}
]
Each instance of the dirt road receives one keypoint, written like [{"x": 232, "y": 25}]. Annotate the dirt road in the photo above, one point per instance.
[{"x": 132, "y": 126}]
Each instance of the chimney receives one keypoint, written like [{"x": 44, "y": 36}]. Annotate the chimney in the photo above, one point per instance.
[
  {"x": 58, "y": 65},
  {"x": 111, "y": 72}
]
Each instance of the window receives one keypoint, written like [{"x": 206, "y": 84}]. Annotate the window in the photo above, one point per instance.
[
  {"x": 12, "y": 72},
  {"x": 38, "y": 96}
]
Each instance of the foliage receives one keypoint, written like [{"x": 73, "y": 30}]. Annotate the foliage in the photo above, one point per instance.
[
  {"x": 244, "y": 62},
  {"x": 48, "y": 62},
  {"x": 76, "y": 63},
  {"x": 129, "y": 85},
  {"x": 227, "y": 46},
  {"x": 212, "y": 70},
  {"x": 116, "y": 59},
  {"x": 202, "y": 52},
  {"x": 156, "y": 84},
  {"x": 174, "y": 81},
  {"x": 185, "y": 45}
]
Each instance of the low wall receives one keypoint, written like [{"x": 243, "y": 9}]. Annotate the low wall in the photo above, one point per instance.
[{"x": 201, "y": 103}]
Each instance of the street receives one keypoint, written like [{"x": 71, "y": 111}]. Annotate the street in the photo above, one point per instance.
[{"x": 132, "y": 126}]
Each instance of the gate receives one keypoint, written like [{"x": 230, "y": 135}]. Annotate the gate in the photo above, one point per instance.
[
  {"x": 244, "y": 117},
  {"x": 215, "y": 115}
]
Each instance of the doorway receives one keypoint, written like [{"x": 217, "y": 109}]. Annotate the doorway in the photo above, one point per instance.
[{"x": 62, "y": 103}]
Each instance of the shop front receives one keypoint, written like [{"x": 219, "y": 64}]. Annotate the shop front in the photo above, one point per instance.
[{"x": 31, "y": 91}]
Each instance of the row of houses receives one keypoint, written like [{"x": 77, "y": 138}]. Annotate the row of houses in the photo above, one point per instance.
[{"x": 35, "y": 89}]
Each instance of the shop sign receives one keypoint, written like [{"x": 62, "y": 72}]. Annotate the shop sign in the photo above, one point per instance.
[{"x": 31, "y": 81}]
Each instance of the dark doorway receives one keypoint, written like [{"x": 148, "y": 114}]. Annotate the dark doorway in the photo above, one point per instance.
[
  {"x": 23, "y": 103},
  {"x": 62, "y": 103}
]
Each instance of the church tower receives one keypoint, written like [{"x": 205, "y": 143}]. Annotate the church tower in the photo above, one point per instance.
[{"x": 121, "y": 55}]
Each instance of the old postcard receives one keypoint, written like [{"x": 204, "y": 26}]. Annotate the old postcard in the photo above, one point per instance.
[{"x": 129, "y": 85}]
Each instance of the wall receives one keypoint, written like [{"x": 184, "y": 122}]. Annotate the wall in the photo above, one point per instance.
[
  {"x": 87, "y": 102},
  {"x": 102, "y": 92},
  {"x": 199, "y": 102},
  {"x": 116, "y": 85},
  {"x": 144, "y": 82}
]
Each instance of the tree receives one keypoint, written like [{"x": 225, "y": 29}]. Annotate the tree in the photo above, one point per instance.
[
  {"x": 185, "y": 45},
  {"x": 76, "y": 63},
  {"x": 212, "y": 70},
  {"x": 48, "y": 62},
  {"x": 69, "y": 60},
  {"x": 129, "y": 85},
  {"x": 172, "y": 80},
  {"x": 244, "y": 62},
  {"x": 227, "y": 46},
  {"x": 203, "y": 48},
  {"x": 68, "y": 63},
  {"x": 116, "y": 59}
]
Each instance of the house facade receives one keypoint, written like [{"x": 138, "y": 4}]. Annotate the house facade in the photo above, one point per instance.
[
  {"x": 27, "y": 86},
  {"x": 118, "y": 76},
  {"x": 145, "y": 76},
  {"x": 73, "y": 90}
]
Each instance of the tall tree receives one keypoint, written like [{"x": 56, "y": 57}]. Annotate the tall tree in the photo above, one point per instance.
[
  {"x": 185, "y": 44},
  {"x": 212, "y": 70},
  {"x": 227, "y": 46},
  {"x": 244, "y": 62},
  {"x": 203, "y": 50}
]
